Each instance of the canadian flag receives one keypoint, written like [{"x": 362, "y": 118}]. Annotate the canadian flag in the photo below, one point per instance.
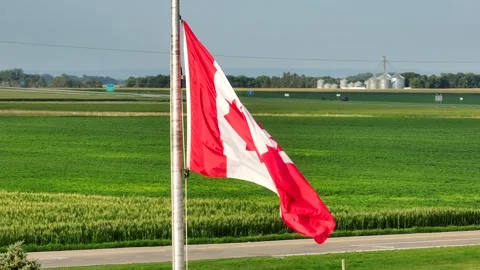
[{"x": 223, "y": 140}]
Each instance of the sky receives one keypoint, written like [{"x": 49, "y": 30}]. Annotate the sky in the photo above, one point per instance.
[{"x": 433, "y": 30}]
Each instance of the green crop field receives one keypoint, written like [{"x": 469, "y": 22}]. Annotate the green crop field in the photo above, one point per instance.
[
  {"x": 265, "y": 107},
  {"x": 450, "y": 97},
  {"x": 76, "y": 106},
  {"x": 381, "y": 167},
  {"x": 40, "y": 94}
]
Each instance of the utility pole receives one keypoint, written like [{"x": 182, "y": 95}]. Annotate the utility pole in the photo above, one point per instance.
[{"x": 385, "y": 67}]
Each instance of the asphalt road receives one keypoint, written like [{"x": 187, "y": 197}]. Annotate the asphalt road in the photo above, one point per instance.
[{"x": 269, "y": 249}]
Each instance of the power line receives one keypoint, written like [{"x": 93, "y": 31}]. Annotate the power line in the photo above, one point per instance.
[
  {"x": 247, "y": 56},
  {"x": 297, "y": 59},
  {"x": 437, "y": 61},
  {"x": 80, "y": 47}
]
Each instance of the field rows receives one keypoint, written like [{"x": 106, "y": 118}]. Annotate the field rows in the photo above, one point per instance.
[
  {"x": 42, "y": 218},
  {"x": 40, "y": 94},
  {"x": 257, "y": 106}
]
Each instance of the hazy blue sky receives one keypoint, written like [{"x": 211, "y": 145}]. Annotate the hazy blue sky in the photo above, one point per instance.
[{"x": 340, "y": 29}]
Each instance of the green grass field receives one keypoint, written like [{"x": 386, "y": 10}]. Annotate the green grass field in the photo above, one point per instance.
[
  {"x": 45, "y": 94},
  {"x": 426, "y": 96},
  {"x": 382, "y": 167},
  {"x": 465, "y": 258},
  {"x": 381, "y": 156},
  {"x": 275, "y": 107},
  {"x": 384, "y": 96}
]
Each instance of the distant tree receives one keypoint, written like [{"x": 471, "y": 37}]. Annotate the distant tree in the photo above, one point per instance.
[
  {"x": 92, "y": 83},
  {"x": 443, "y": 82},
  {"x": 262, "y": 81},
  {"x": 66, "y": 81},
  {"x": 130, "y": 82},
  {"x": 17, "y": 77},
  {"x": 360, "y": 77},
  {"x": 417, "y": 82},
  {"x": 432, "y": 82},
  {"x": 409, "y": 76},
  {"x": 41, "y": 82},
  {"x": 48, "y": 78},
  {"x": 275, "y": 82}
]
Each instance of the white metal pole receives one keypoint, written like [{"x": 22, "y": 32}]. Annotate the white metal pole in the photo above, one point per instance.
[
  {"x": 176, "y": 142},
  {"x": 384, "y": 67}
]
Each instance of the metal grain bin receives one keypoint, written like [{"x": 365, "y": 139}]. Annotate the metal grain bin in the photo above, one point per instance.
[
  {"x": 384, "y": 82},
  {"x": 366, "y": 83},
  {"x": 373, "y": 83},
  {"x": 320, "y": 83},
  {"x": 398, "y": 81},
  {"x": 358, "y": 84}
]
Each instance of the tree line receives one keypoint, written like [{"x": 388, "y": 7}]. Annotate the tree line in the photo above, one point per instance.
[
  {"x": 18, "y": 78},
  {"x": 294, "y": 80},
  {"x": 444, "y": 80}
]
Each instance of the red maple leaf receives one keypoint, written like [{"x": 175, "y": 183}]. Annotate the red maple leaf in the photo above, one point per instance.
[{"x": 239, "y": 123}]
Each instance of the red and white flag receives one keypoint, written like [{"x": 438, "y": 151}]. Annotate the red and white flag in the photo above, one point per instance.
[{"x": 223, "y": 140}]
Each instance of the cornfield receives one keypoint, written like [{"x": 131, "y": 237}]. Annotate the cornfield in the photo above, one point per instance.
[{"x": 42, "y": 218}]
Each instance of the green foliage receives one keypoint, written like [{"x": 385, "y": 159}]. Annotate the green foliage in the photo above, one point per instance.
[
  {"x": 15, "y": 77},
  {"x": 360, "y": 77},
  {"x": 64, "y": 81},
  {"x": 69, "y": 81},
  {"x": 158, "y": 81},
  {"x": 16, "y": 259},
  {"x": 294, "y": 80},
  {"x": 286, "y": 80}
]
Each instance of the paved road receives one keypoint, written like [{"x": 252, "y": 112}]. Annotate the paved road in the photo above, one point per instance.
[{"x": 252, "y": 249}]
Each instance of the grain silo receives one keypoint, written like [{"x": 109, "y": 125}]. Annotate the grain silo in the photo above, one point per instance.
[
  {"x": 320, "y": 83},
  {"x": 398, "y": 81},
  {"x": 373, "y": 83},
  {"x": 343, "y": 83},
  {"x": 366, "y": 83},
  {"x": 384, "y": 81},
  {"x": 358, "y": 84}
]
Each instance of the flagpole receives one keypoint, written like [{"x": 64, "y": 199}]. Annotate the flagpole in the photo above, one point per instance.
[{"x": 176, "y": 142}]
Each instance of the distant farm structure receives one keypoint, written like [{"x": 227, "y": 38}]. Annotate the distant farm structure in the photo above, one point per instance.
[{"x": 382, "y": 81}]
